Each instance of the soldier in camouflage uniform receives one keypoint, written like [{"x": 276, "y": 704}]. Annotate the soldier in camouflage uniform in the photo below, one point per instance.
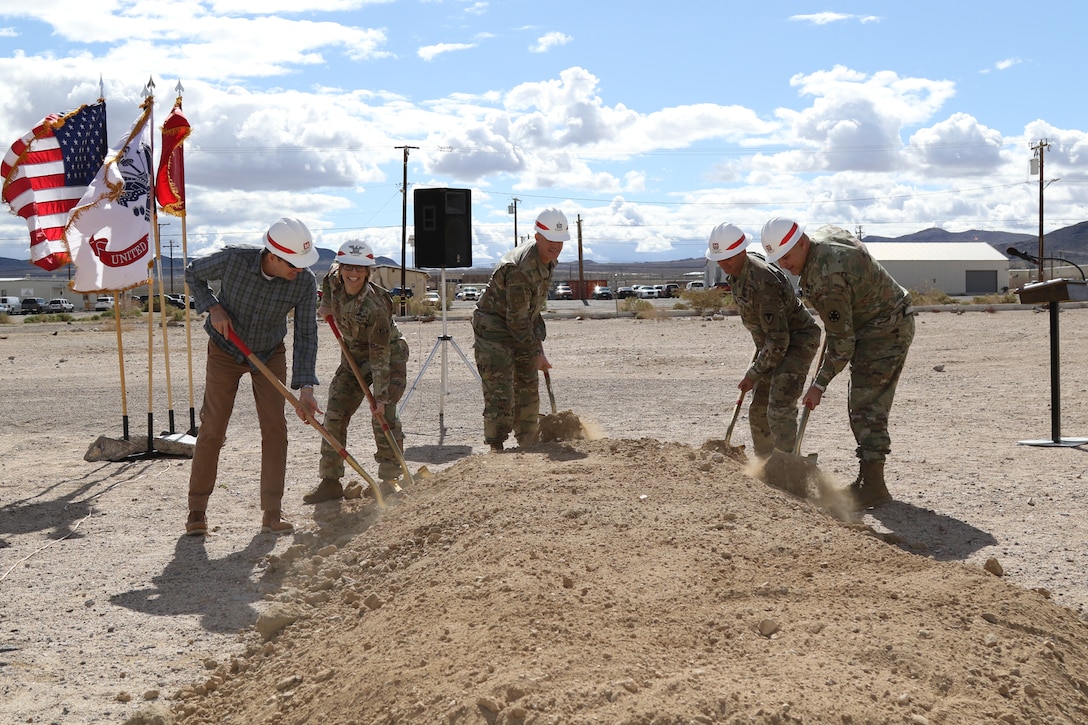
[
  {"x": 509, "y": 333},
  {"x": 785, "y": 334},
  {"x": 869, "y": 323},
  {"x": 363, "y": 312}
]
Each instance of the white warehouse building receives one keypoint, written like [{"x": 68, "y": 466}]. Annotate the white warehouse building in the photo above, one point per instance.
[{"x": 955, "y": 268}]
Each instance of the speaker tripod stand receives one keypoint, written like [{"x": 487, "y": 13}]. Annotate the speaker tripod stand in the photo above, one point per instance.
[{"x": 441, "y": 344}]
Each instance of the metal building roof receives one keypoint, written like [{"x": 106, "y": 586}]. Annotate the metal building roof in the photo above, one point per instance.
[{"x": 934, "y": 252}]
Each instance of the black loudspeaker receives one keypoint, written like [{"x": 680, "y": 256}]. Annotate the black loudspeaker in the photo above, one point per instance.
[{"x": 443, "y": 234}]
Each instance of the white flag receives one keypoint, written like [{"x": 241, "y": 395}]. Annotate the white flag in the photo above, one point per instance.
[{"x": 109, "y": 231}]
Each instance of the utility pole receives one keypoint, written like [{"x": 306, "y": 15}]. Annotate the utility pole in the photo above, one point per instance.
[
  {"x": 1039, "y": 150},
  {"x": 581, "y": 268},
  {"x": 150, "y": 288},
  {"x": 404, "y": 233},
  {"x": 170, "y": 244},
  {"x": 513, "y": 209}
]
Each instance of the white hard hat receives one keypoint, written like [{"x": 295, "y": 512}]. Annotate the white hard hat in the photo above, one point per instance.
[
  {"x": 552, "y": 225},
  {"x": 726, "y": 240},
  {"x": 355, "y": 252},
  {"x": 290, "y": 240},
  {"x": 779, "y": 236}
]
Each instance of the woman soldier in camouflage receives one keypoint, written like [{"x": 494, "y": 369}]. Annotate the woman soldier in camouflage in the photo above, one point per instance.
[{"x": 364, "y": 313}]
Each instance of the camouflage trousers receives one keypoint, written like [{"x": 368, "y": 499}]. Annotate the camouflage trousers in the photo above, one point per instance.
[
  {"x": 345, "y": 397},
  {"x": 511, "y": 389},
  {"x": 772, "y": 414},
  {"x": 874, "y": 375}
]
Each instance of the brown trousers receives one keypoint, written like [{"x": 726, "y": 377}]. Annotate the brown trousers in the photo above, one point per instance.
[{"x": 220, "y": 389}]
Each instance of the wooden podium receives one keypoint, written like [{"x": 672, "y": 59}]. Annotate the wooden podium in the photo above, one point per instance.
[{"x": 1053, "y": 292}]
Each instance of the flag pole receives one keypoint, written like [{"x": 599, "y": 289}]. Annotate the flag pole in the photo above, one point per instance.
[
  {"x": 162, "y": 288},
  {"x": 185, "y": 290},
  {"x": 121, "y": 366},
  {"x": 152, "y": 229}
]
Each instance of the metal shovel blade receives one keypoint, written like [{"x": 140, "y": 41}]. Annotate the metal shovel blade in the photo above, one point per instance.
[{"x": 791, "y": 471}]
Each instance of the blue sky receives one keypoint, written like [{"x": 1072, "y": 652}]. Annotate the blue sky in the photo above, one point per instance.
[{"x": 652, "y": 122}]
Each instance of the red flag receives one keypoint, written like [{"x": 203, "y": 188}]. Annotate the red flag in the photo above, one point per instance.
[
  {"x": 170, "y": 179},
  {"x": 46, "y": 173}
]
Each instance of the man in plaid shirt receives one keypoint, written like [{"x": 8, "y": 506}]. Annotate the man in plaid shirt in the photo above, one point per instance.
[{"x": 257, "y": 290}]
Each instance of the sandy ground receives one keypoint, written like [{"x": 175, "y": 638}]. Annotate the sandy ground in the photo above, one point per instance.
[{"x": 643, "y": 577}]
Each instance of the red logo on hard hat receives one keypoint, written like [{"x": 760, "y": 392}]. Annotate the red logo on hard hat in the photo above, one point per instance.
[
  {"x": 789, "y": 234},
  {"x": 737, "y": 243}
]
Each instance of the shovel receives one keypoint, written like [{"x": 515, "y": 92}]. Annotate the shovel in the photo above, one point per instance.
[
  {"x": 423, "y": 471},
  {"x": 736, "y": 414},
  {"x": 791, "y": 471},
  {"x": 286, "y": 393},
  {"x": 548, "y": 385}
]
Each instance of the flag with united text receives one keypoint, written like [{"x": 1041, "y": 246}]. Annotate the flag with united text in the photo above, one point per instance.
[
  {"x": 170, "y": 179},
  {"x": 109, "y": 232},
  {"x": 46, "y": 172}
]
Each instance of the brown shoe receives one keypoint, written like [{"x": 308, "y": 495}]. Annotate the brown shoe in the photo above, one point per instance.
[
  {"x": 329, "y": 489},
  {"x": 197, "y": 525},
  {"x": 273, "y": 523}
]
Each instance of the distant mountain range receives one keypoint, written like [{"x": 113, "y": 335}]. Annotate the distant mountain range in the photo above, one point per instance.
[{"x": 1070, "y": 243}]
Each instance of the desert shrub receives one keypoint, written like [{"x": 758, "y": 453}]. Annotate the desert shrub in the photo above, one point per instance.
[
  {"x": 636, "y": 305},
  {"x": 4, "y": 318},
  {"x": 994, "y": 299},
  {"x": 52, "y": 317},
  {"x": 418, "y": 307},
  {"x": 931, "y": 297},
  {"x": 707, "y": 300}
]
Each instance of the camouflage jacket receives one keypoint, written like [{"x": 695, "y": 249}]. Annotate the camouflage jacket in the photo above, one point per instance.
[
  {"x": 509, "y": 310},
  {"x": 855, "y": 297},
  {"x": 366, "y": 323},
  {"x": 771, "y": 311}
]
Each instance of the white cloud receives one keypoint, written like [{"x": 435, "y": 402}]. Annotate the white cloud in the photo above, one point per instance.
[
  {"x": 430, "y": 52},
  {"x": 550, "y": 40},
  {"x": 826, "y": 18}
]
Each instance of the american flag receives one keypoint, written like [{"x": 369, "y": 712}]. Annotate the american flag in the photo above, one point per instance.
[{"x": 46, "y": 173}]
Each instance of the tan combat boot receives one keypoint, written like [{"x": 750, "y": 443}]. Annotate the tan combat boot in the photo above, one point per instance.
[
  {"x": 329, "y": 489},
  {"x": 869, "y": 489}
]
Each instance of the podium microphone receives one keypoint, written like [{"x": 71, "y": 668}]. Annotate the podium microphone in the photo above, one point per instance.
[{"x": 1022, "y": 255}]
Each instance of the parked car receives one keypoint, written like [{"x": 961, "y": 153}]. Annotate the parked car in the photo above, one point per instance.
[
  {"x": 672, "y": 289},
  {"x": 103, "y": 304},
  {"x": 32, "y": 305},
  {"x": 602, "y": 292},
  {"x": 696, "y": 285},
  {"x": 13, "y": 304},
  {"x": 661, "y": 291},
  {"x": 432, "y": 297},
  {"x": 59, "y": 304},
  {"x": 723, "y": 286},
  {"x": 5, "y": 308},
  {"x": 563, "y": 292},
  {"x": 625, "y": 292},
  {"x": 646, "y": 291},
  {"x": 468, "y": 293},
  {"x": 396, "y": 291}
]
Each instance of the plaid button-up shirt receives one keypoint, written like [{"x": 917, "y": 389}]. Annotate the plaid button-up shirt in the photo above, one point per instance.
[{"x": 258, "y": 307}]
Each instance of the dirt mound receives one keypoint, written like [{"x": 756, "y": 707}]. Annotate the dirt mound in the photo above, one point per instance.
[{"x": 633, "y": 581}]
